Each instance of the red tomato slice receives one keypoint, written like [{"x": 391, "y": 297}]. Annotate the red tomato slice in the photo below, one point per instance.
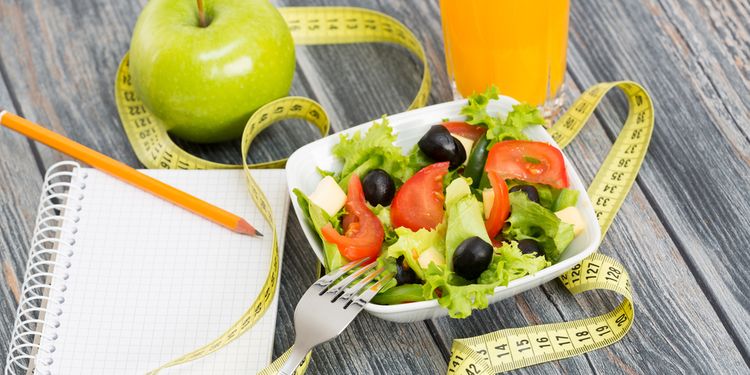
[
  {"x": 419, "y": 201},
  {"x": 465, "y": 130},
  {"x": 363, "y": 233},
  {"x": 500, "y": 206},
  {"x": 530, "y": 161}
]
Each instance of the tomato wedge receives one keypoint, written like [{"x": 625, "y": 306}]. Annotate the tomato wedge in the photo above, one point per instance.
[
  {"x": 363, "y": 233},
  {"x": 419, "y": 202},
  {"x": 500, "y": 205},
  {"x": 530, "y": 161},
  {"x": 465, "y": 130}
]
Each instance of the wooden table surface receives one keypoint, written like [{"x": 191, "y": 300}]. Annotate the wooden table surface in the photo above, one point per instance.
[{"x": 683, "y": 232}]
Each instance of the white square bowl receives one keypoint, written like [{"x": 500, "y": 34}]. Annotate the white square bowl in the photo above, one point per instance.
[{"x": 409, "y": 127}]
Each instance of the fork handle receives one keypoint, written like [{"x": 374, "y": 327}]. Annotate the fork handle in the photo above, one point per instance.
[{"x": 295, "y": 358}]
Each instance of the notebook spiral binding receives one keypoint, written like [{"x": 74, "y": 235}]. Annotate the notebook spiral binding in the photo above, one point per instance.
[{"x": 34, "y": 331}]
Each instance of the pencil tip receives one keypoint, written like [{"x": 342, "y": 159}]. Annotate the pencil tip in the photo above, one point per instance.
[{"x": 245, "y": 228}]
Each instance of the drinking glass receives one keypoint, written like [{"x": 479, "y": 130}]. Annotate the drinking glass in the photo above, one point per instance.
[{"x": 517, "y": 45}]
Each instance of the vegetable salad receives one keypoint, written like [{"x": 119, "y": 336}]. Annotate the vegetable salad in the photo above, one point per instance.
[{"x": 472, "y": 206}]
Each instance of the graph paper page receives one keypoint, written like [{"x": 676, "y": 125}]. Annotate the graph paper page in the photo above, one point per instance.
[{"x": 150, "y": 281}]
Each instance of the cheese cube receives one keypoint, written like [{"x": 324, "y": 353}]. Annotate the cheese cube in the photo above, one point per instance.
[
  {"x": 572, "y": 216},
  {"x": 431, "y": 255},
  {"x": 328, "y": 196},
  {"x": 488, "y": 197},
  {"x": 468, "y": 144}
]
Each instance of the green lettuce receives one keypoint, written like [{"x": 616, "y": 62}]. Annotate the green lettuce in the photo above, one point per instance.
[
  {"x": 509, "y": 263},
  {"x": 529, "y": 220},
  {"x": 499, "y": 129},
  {"x": 375, "y": 150},
  {"x": 454, "y": 293},
  {"x": 475, "y": 109},
  {"x": 416, "y": 160},
  {"x": 464, "y": 217},
  {"x": 549, "y": 197},
  {"x": 319, "y": 218},
  {"x": 512, "y": 126},
  {"x": 566, "y": 198},
  {"x": 384, "y": 215},
  {"x": 411, "y": 245}
]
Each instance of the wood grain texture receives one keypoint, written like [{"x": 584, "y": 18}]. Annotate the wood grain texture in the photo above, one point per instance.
[
  {"x": 682, "y": 233},
  {"x": 63, "y": 68},
  {"x": 699, "y": 161},
  {"x": 21, "y": 185}
]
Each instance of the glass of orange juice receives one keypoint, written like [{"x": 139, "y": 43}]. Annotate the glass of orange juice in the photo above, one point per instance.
[{"x": 517, "y": 45}]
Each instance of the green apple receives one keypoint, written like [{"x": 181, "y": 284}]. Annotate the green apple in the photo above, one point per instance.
[{"x": 204, "y": 81}]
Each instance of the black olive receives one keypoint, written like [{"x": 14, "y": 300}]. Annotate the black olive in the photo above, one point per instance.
[
  {"x": 404, "y": 274},
  {"x": 529, "y": 246},
  {"x": 378, "y": 187},
  {"x": 472, "y": 257},
  {"x": 530, "y": 191},
  {"x": 439, "y": 145}
]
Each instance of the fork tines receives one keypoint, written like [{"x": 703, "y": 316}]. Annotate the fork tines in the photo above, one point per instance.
[{"x": 338, "y": 291}]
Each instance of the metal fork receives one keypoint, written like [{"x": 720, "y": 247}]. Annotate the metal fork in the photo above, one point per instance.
[{"x": 326, "y": 309}]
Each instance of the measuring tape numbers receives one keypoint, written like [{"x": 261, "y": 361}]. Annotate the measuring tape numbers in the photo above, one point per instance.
[
  {"x": 514, "y": 348},
  {"x": 486, "y": 354}
]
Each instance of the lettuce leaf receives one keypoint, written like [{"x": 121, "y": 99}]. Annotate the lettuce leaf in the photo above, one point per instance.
[
  {"x": 512, "y": 126},
  {"x": 319, "y": 218},
  {"x": 499, "y": 129},
  {"x": 464, "y": 217},
  {"x": 529, "y": 220},
  {"x": 412, "y": 244},
  {"x": 475, "y": 109},
  {"x": 509, "y": 263},
  {"x": 566, "y": 198},
  {"x": 454, "y": 293},
  {"x": 549, "y": 197},
  {"x": 416, "y": 160},
  {"x": 384, "y": 215},
  {"x": 375, "y": 150}
]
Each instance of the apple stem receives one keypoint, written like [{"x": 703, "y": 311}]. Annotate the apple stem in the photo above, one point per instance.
[{"x": 201, "y": 14}]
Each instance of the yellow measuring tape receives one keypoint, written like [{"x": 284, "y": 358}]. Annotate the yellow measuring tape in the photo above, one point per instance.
[
  {"x": 153, "y": 147},
  {"x": 491, "y": 353}
]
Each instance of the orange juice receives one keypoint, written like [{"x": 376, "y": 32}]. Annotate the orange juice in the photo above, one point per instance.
[{"x": 517, "y": 45}]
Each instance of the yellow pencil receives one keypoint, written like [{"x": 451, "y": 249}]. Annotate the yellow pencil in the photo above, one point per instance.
[{"x": 127, "y": 174}]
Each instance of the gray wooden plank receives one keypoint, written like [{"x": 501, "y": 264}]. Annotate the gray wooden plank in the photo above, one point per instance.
[
  {"x": 63, "y": 59},
  {"x": 698, "y": 169},
  {"x": 351, "y": 112},
  {"x": 719, "y": 35},
  {"x": 21, "y": 182}
]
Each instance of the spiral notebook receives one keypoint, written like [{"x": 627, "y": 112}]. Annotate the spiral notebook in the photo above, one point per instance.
[{"x": 120, "y": 282}]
